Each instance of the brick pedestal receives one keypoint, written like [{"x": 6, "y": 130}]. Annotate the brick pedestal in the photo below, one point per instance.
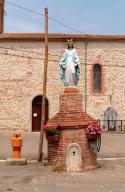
[{"x": 71, "y": 121}]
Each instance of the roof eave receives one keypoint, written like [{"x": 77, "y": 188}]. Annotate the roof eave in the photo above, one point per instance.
[{"x": 58, "y": 37}]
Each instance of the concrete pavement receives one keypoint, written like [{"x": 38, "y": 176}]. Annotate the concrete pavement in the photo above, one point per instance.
[
  {"x": 29, "y": 149},
  {"x": 35, "y": 177},
  {"x": 113, "y": 145},
  {"x": 110, "y": 177}
]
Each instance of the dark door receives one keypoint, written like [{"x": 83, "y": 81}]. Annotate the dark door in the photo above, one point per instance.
[{"x": 37, "y": 113}]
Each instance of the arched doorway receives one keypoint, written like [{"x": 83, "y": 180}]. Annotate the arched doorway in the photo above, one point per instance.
[{"x": 37, "y": 113}]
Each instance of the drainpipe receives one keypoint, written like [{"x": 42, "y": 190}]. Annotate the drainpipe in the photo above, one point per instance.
[{"x": 86, "y": 45}]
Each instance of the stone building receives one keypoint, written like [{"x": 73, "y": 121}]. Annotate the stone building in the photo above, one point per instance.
[{"x": 102, "y": 59}]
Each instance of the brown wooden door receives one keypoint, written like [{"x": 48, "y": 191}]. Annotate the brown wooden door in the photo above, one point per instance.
[
  {"x": 36, "y": 117},
  {"x": 37, "y": 113}
]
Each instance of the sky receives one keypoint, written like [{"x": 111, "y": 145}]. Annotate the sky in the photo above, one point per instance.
[{"x": 85, "y": 16}]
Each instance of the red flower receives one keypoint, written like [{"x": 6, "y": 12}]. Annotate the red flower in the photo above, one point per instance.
[
  {"x": 51, "y": 130},
  {"x": 49, "y": 127}
]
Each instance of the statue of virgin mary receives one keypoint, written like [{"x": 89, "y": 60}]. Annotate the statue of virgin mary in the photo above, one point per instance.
[{"x": 69, "y": 66}]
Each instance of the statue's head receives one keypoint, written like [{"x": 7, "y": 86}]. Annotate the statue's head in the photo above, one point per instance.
[{"x": 70, "y": 43}]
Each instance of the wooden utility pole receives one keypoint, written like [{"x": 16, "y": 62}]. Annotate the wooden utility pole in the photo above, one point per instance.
[
  {"x": 44, "y": 85},
  {"x": 1, "y": 16}
]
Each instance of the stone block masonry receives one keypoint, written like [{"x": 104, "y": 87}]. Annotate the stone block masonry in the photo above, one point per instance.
[{"x": 21, "y": 79}]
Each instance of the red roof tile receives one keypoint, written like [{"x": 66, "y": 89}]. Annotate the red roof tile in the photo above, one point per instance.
[{"x": 59, "y": 36}]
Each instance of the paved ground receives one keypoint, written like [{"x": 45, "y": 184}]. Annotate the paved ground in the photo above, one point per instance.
[
  {"x": 113, "y": 145},
  {"x": 29, "y": 149},
  {"x": 36, "y": 178},
  {"x": 110, "y": 177}
]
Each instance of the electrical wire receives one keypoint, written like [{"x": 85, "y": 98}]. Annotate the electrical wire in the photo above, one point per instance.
[
  {"x": 57, "y": 61},
  {"x": 90, "y": 60},
  {"x": 50, "y": 18},
  {"x": 67, "y": 26},
  {"x": 26, "y": 9},
  {"x": 16, "y": 49},
  {"x": 56, "y": 55}
]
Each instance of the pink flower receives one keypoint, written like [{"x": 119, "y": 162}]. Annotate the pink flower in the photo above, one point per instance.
[{"x": 94, "y": 128}]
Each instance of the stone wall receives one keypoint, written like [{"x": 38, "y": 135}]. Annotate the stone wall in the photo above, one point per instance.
[
  {"x": 110, "y": 55},
  {"x": 21, "y": 77}
]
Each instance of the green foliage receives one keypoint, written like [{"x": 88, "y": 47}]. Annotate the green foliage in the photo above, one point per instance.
[{"x": 51, "y": 131}]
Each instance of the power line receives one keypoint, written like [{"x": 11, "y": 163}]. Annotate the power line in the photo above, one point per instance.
[
  {"x": 90, "y": 60},
  {"x": 57, "y": 61},
  {"x": 28, "y": 57},
  {"x": 13, "y": 49},
  {"x": 50, "y": 18},
  {"x": 60, "y": 23},
  {"x": 26, "y": 9}
]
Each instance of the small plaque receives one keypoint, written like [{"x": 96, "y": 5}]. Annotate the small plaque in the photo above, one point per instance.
[{"x": 35, "y": 115}]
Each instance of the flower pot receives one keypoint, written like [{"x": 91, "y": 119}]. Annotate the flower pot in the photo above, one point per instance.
[
  {"x": 53, "y": 138},
  {"x": 92, "y": 137}
]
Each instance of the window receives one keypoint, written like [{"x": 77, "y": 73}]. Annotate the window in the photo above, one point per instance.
[
  {"x": 97, "y": 86},
  {"x": 97, "y": 78}
]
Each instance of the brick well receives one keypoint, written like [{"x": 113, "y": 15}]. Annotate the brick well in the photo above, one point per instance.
[{"x": 71, "y": 121}]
